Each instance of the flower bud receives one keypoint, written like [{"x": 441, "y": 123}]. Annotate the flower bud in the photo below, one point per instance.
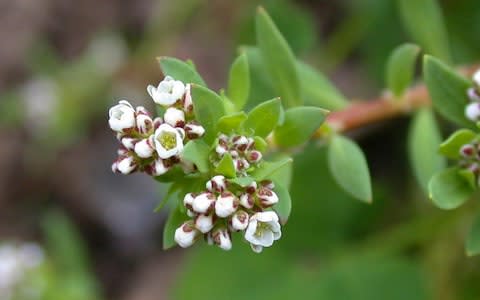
[
  {"x": 159, "y": 167},
  {"x": 204, "y": 223},
  {"x": 251, "y": 188},
  {"x": 267, "y": 197},
  {"x": 217, "y": 184},
  {"x": 221, "y": 148},
  {"x": 247, "y": 201},
  {"x": 126, "y": 165},
  {"x": 240, "y": 142},
  {"x": 226, "y": 204},
  {"x": 472, "y": 111},
  {"x": 473, "y": 95},
  {"x": 239, "y": 220},
  {"x": 122, "y": 151},
  {"x": 121, "y": 116},
  {"x": 251, "y": 144},
  {"x": 188, "y": 200},
  {"x": 268, "y": 184},
  {"x": 186, "y": 234},
  {"x": 129, "y": 143},
  {"x": 167, "y": 92},
  {"x": 115, "y": 167},
  {"x": 476, "y": 78},
  {"x": 241, "y": 164},
  {"x": 144, "y": 148},
  {"x": 203, "y": 203},
  {"x": 187, "y": 102},
  {"x": 190, "y": 213},
  {"x": 144, "y": 123},
  {"x": 157, "y": 122},
  {"x": 174, "y": 117},
  {"x": 221, "y": 237},
  {"x": 467, "y": 151},
  {"x": 194, "y": 131}
]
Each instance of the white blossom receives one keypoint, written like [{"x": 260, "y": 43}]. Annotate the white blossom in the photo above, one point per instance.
[
  {"x": 185, "y": 235},
  {"x": 121, "y": 116},
  {"x": 239, "y": 220},
  {"x": 203, "y": 202},
  {"x": 247, "y": 201},
  {"x": 263, "y": 229},
  {"x": 167, "y": 92},
  {"x": 204, "y": 223},
  {"x": 144, "y": 148},
  {"x": 221, "y": 237},
  {"x": 194, "y": 131},
  {"x": 472, "y": 111},
  {"x": 174, "y": 117},
  {"x": 267, "y": 197},
  {"x": 188, "y": 200},
  {"x": 168, "y": 141},
  {"x": 159, "y": 167},
  {"x": 226, "y": 204},
  {"x": 126, "y": 165},
  {"x": 216, "y": 184}
]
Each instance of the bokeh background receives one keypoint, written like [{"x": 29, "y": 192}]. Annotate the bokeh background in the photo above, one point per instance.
[{"x": 95, "y": 235}]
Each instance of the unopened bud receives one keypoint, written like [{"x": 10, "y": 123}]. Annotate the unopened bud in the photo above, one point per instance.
[
  {"x": 126, "y": 165},
  {"x": 129, "y": 143},
  {"x": 203, "y": 203},
  {"x": 144, "y": 148},
  {"x": 186, "y": 234},
  {"x": 216, "y": 184},
  {"x": 254, "y": 156},
  {"x": 239, "y": 220},
  {"x": 194, "y": 131},
  {"x": 175, "y": 117},
  {"x": 467, "y": 151},
  {"x": 247, "y": 201},
  {"x": 226, "y": 204},
  {"x": 221, "y": 237},
  {"x": 267, "y": 197},
  {"x": 204, "y": 223}
]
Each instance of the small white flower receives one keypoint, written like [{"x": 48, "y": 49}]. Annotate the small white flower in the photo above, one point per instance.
[
  {"x": 267, "y": 197},
  {"x": 144, "y": 123},
  {"x": 240, "y": 220},
  {"x": 168, "y": 141},
  {"x": 129, "y": 143},
  {"x": 174, "y": 117},
  {"x": 472, "y": 111},
  {"x": 144, "y": 148},
  {"x": 263, "y": 229},
  {"x": 204, "y": 223},
  {"x": 167, "y": 92},
  {"x": 188, "y": 103},
  {"x": 221, "y": 237},
  {"x": 126, "y": 165},
  {"x": 226, "y": 204},
  {"x": 159, "y": 167},
  {"x": 194, "y": 131},
  {"x": 216, "y": 184},
  {"x": 188, "y": 200},
  {"x": 476, "y": 78},
  {"x": 186, "y": 234},
  {"x": 203, "y": 203},
  {"x": 247, "y": 201},
  {"x": 121, "y": 116}
]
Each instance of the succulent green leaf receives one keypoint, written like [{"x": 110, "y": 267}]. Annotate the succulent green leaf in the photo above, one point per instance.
[
  {"x": 260, "y": 144},
  {"x": 284, "y": 205},
  {"x": 469, "y": 176},
  {"x": 282, "y": 175},
  {"x": 208, "y": 108},
  {"x": 265, "y": 169},
  {"x": 448, "y": 189},
  {"x": 472, "y": 246},
  {"x": 174, "y": 220},
  {"x": 423, "y": 140},
  {"x": 263, "y": 118},
  {"x": 239, "y": 81},
  {"x": 242, "y": 181},
  {"x": 172, "y": 191},
  {"x": 197, "y": 152},
  {"x": 180, "y": 70},
  {"x": 424, "y": 21},
  {"x": 317, "y": 89},
  {"x": 451, "y": 147},
  {"x": 447, "y": 90},
  {"x": 299, "y": 125},
  {"x": 226, "y": 166},
  {"x": 401, "y": 68},
  {"x": 349, "y": 168},
  {"x": 231, "y": 123},
  {"x": 279, "y": 59}
]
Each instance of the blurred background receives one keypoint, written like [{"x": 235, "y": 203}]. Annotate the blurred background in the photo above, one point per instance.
[{"x": 70, "y": 229}]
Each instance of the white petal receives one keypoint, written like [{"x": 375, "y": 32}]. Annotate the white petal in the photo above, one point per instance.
[
  {"x": 143, "y": 149},
  {"x": 266, "y": 216},
  {"x": 256, "y": 248},
  {"x": 174, "y": 116},
  {"x": 204, "y": 223},
  {"x": 126, "y": 165},
  {"x": 472, "y": 111}
]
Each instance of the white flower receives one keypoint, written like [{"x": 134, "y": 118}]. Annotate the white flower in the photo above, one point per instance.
[
  {"x": 144, "y": 148},
  {"x": 263, "y": 229},
  {"x": 194, "y": 131},
  {"x": 188, "y": 103},
  {"x": 476, "y": 77},
  {"x": 121, "y": 116},
  {"x": 185, "y": 235},
  {"x": 226, "y": 204},
  {"x": 221, "y": 237},
  {"x": 174, "y": 117},
  {"x": 472, "y": 111},
  {"x": 203, "y": 202},
  {"x": 239, "y": 220},
  {"x": 159, "y": 167},
  {"x": 168, "y": 141},
  {"x": 204, "y": 223},
  {"x": 267, "y": 197},
  {"x": 216, "y": 184},
  {"x": 126, "y": 165},
  {"x": 167, "y": 92},
  {"x": 247, "y": 201}
]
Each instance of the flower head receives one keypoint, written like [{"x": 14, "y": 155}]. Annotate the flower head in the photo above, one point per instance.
[
  {"x": 263, "y": 229},
  {"x": 121, "y": 116},
  {"x": 167, "y": 92},
  {"x": 168, "y": 141},
  {"x": 186, "y": 234}
]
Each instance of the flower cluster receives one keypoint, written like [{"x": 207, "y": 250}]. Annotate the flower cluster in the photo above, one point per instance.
[
  {"x": 154, "y": 145},
  {"x": 472, "y": 110},
  {"x": 242, "y": 150},
  {"x": 470, "y": 158}
]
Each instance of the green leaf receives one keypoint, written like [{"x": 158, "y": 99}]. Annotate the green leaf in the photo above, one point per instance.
[
  {"x": 180, "y": 70},
  {"x": 299, "y": 125},
  {"x": 175, "y": 219},
  {"x": 263, "y": 118},
  {"x": 472, "y": 246},
  {"x": 284, "y": 205},
  {"x": 282, "y": 175},
  {"x": 173, "y": 190},
  {"x": 260, "y": 144},
  {"x": 449, "y": 190},
  {"x": 349, "y": 168},
  {"x": 242, "y": 181},
  {"x": 469, "y": 176},
  {"x": 279, "y": 59},
  {"x": 226, "y": 166},
  {"x": 231, "y": 123},
  {"x": 318, "y": 90},
  {"x": 265, "y": 169},
  {"x": 401, "y": 68},
  {"x": 451, "y": 147},
  {"x": 424, "y": 21},
  {"x": 447, "y": 90},
  {"x": 197, "y": 152},
  {"x": 208, "y": 108},
  {"x": 239, "y": 81},
  {"x": 423, "y": 140}
]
